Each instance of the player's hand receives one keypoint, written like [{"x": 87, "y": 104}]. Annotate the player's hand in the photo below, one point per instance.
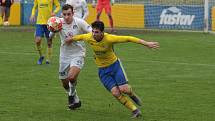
[
  {"x": 152, "y": 45},
  {"x": 68, "y": 40},
  {"x": 32, "y": 19}
]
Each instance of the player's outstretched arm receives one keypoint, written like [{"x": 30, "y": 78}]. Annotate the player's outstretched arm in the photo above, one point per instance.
[
  {"x": 33, "y": 12},
  {"x": 150, "y": 44},
  {"x": 85, "y": 9},
  {"x": 81, "y": 37},
  {"x": 122, "y": 39},
  {"x": 57, "y": 7}
]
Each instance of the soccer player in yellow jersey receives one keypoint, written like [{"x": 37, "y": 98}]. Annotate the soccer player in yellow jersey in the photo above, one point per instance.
[
  {"x": 45, "y": 11},
  {"x": 111, "y": 72}
]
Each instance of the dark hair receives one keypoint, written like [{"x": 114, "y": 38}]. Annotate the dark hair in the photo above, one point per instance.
[
  {"x": 98, "y": 25},
  {"x": 67, "y": 7}
]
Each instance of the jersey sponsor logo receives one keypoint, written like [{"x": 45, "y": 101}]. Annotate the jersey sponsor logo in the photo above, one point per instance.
[
  {"x": 105, "y": 46},
  {"x": 75, "y": 27},
  {"x": 43, "y": 5},
  {"x": 100, "y": 53},
  {"x": 79, "y": 62},
  {"x": 174, "y": 16},
  {"x": 88, "y": 27}
]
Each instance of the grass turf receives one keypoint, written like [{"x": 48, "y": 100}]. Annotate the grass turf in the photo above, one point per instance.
[{"x": 175, "y": 82}]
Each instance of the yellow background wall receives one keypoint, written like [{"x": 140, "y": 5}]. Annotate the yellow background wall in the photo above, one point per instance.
[
  {"x": 123, "y": 15},
  {"x": 14, "y": 14},
  {"x": 213, "y": 19}
]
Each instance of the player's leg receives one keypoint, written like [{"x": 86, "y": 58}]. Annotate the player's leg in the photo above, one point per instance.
[
  {"x": 75, "y": 67},
  {"x": 108, "y": 12},
  {"x": 72, "y": 79},
  {"x": 38, "y": 39},
  {"x": 123, "y": 99},
  {"x": 105, "y": 75},
  {"x": 63, "y": 75},
  {"x": 2, "y": 13},
  {"x": 49, "y": 45},
  {"x": 98, "y": 11},
  {"x": 7, "y": 15},
  {"x": 126, "y": 89},
  {"x": 122, "y": 82}
]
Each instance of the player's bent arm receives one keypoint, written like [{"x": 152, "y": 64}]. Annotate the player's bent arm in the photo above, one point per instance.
[
  {"x": 33, "y": 12},
  {"x": 81, "y": 37},
  {"x": 85, "y": 26},
  {"x": 57, "y": 5},
  {"x": 85, "y": 9}
]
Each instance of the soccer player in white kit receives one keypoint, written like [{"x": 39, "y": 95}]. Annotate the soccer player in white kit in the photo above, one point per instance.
[
  {"x": 80, "y": 8},
  {"x": 72, "y": 55}
]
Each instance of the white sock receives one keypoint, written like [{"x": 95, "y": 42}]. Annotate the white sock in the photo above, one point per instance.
[
  {"x": 76, "y": 98},
  {"x": 72, "y": 90}
]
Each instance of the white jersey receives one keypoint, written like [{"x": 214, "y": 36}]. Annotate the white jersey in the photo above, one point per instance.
[
  {"x": 80, "y": 8},
  {"x": 78, "y": 26}
]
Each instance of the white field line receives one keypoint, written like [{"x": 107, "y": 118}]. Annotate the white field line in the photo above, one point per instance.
[{"x": 132, "y": 60}]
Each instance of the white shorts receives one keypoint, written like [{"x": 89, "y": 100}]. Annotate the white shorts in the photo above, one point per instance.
[{"x": 64, "y": 67}]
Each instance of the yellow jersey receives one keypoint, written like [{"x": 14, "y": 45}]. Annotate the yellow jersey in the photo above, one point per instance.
[
  {"x": 45, "y": 8},
  {"x": 103, "y": 50}
]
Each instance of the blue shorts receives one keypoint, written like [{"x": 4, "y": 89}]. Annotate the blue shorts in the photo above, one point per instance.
[
  {"x": 41, "y": 30},
  {"x": 113, "y": 75}
]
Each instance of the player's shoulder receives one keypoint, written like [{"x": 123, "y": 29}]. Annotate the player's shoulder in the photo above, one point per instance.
[
  {"x": 79, "y": 21},
  {"x": 88, "y": 36},
  {"x": 109, "y": 35}
]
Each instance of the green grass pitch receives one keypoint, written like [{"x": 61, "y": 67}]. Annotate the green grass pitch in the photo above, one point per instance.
[{"x": 175, "y": 82}]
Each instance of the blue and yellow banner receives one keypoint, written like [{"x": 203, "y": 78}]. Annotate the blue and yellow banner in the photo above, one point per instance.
[{"x": 174, "y": 17}]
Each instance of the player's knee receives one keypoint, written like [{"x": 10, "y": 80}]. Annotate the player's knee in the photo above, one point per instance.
[
  {"x": 37, "y": 40},
  {"x": 124, "y": 90},
  {"x": 98, "y": 16},
  {"x": 49, "y": 45},
  {"x": 109, "y": 15},
  {"x": 115, "y": 92},
  {"x": 72, "y": 78}
]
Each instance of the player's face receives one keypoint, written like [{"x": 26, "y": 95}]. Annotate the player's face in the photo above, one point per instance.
[
  {"x": 97, "y": 34},
  {"x": 67, "y": 15}
]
